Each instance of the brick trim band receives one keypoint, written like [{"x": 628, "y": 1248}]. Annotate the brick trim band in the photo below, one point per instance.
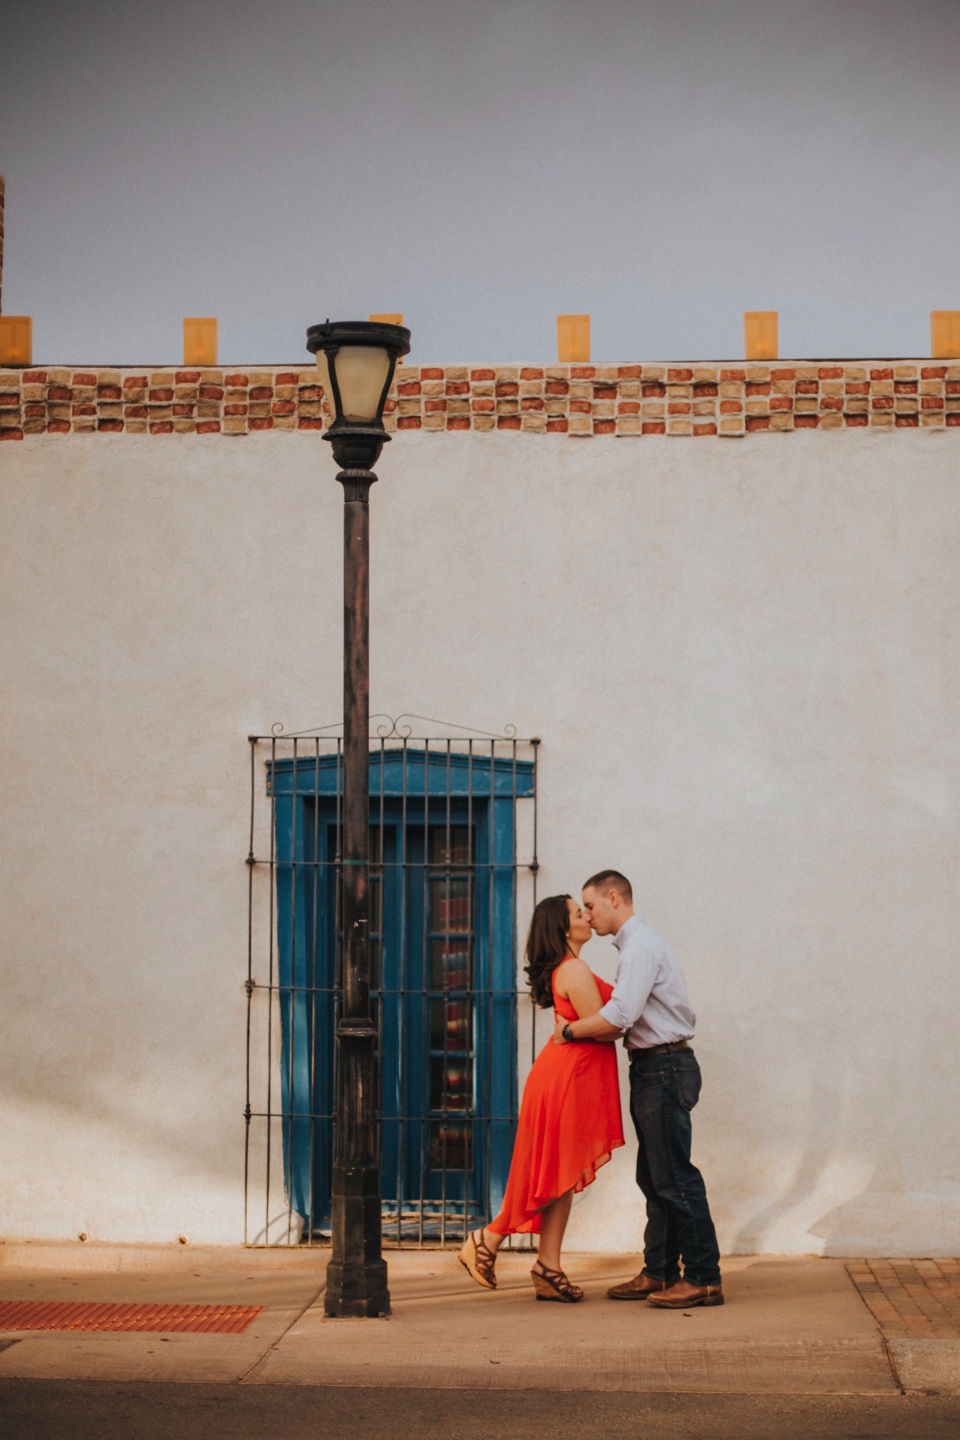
[{"x": 572, "y": 400}]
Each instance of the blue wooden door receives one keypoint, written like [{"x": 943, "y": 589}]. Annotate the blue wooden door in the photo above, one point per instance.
[{"x": 443, "y": 955}]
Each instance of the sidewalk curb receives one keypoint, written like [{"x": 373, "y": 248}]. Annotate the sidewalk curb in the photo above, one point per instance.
[{"x": 926, "y": 1365}]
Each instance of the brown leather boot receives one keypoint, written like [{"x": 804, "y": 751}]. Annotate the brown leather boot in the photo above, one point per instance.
[
  {"x": 636, "y": 1289},
  {"x": 683, "y": 1296}
]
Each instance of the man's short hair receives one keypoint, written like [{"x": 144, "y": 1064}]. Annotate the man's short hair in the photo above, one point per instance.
[{"x": 610, "y": 880}]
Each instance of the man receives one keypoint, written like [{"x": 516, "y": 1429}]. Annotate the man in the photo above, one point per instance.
[{"x": 650, "y": 1008}]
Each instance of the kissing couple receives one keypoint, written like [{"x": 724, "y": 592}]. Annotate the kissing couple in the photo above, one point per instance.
[{"x": 570, "y": 1122}]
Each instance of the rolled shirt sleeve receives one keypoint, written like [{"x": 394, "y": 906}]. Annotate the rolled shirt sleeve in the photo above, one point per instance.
[{"x": 636, "y": 974}]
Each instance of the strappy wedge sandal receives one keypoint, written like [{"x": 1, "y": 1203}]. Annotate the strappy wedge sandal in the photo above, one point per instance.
[
  {"x": 478, "y": 1260},
  {"x": 554, "y": 1285}
]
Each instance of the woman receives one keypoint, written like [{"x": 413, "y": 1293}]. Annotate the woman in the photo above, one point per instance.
[{"x": 570, "y": 1114}]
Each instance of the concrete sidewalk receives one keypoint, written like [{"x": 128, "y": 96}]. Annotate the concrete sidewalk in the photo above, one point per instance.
[{"x": 791, "y": 1326}]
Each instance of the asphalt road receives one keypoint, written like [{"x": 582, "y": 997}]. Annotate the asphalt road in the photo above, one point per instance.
[{"x": 88, "y": 1410}]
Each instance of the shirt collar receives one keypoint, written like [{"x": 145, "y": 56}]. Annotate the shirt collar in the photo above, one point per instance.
[{"x": 626, "y": 930}]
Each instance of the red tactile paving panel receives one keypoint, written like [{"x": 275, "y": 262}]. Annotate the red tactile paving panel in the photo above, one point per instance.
[{"x": 95, "y": 1315}]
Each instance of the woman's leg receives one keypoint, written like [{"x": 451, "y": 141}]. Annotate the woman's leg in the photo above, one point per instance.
[{"x": 553, "y": 1223}]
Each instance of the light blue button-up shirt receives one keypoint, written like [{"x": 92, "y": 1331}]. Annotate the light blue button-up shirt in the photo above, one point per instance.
[{"x": 649, "y": 1001}]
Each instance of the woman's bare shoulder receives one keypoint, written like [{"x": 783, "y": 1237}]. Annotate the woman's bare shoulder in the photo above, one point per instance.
[
  {"x": 571, "y": 969},
  {"x": 573, "y": 965}
]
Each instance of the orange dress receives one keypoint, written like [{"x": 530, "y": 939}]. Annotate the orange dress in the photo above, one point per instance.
[{"x": 569, "y": 1124}]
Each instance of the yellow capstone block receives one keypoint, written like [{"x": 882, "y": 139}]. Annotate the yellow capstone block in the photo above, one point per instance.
[
  {"x": 760, "y": 335},
  {"x": 16, "y": 340},
  {"x": 199, "y": 341},
  {"x": 944, "y": 334},
  {"x": 573, "y": 339}
]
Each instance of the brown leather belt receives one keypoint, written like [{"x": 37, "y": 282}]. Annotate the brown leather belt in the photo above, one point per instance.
[{"x": 667, "y": 1049}]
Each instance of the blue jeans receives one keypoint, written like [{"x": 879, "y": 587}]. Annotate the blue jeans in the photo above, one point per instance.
[{"x": 663, "y": 1091}]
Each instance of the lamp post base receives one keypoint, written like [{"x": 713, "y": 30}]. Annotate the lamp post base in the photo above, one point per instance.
[
  {"x": 356, "y": 1286},
  {"x": 356, "y": 1291}
]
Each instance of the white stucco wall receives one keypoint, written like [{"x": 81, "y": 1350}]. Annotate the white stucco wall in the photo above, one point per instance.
[{"x": 743, "y": 658}]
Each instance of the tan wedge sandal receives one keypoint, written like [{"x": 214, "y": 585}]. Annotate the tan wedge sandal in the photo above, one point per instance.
[
  {"x": 554, "y": 1285},
  {"x": 478, "y": 1259}
]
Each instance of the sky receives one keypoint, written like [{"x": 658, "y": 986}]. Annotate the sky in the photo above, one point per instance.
[{"x": 480, "y": 166}]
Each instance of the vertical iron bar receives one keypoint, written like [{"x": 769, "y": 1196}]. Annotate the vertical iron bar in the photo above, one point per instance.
[
  {"x": 381, "y": 973},
  {"x": 491, "y": 922},
  {"x": 472, "y": 1125},
  {"x": 292, "y": 1115},
  {"x": 446, "y": 1124},
  {"x": 336, "y": 1008},
  {"x": 316, "y": 951},
  {"x": 403, "y": 1134},
  {"x": 535, "y": 871},
  {"x": 250, "y": 987},
  {"x": 513, "y": 978},
  {"x": 270, "y": 987},
  {"x": 426, "y": 984}
]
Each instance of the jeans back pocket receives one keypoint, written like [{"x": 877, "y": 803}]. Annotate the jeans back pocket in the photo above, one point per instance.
[{"x": 688, "y": 1081}]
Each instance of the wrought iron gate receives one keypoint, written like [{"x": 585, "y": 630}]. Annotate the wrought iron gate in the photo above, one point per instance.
[{"x": 449, "y": 817}]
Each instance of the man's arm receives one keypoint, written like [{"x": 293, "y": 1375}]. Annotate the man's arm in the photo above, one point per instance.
[
  {"x": 635, "y": 978},
  {"x": 594, "y": 1027}
]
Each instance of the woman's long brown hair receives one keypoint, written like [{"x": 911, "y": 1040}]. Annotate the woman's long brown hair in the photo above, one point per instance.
[{"x": 546, "y": 947}]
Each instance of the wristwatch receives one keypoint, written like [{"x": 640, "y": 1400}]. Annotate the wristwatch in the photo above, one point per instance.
[{"x": 566, "y": 1032}]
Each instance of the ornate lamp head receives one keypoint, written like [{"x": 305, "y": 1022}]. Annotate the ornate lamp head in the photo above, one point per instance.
[{"x": 356, "y": 360}]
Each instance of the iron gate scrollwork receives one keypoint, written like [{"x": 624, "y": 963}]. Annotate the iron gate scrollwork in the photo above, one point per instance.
[{"x": 450, "y": 815}]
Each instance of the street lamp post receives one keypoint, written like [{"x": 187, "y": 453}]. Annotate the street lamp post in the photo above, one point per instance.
[{"x": 356, "y": 360}]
